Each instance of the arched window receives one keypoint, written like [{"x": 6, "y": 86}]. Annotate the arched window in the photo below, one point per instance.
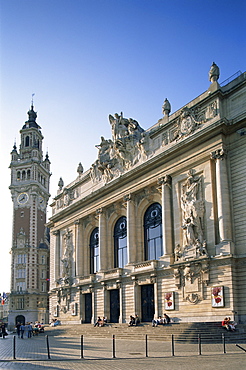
[
  {"x": 27, "y": 142},
  {"x": 28, "y": 174},
  {"x": 94, "y": 251},
  {"x": 23, "y": 175},
  {"x": 18, "y": 175},
  {"x": 153, "y": 232},
  {"x": 120, "y": 243}
]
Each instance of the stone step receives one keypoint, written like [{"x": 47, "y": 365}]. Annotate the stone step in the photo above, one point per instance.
[{"x": 188, "y": 332}]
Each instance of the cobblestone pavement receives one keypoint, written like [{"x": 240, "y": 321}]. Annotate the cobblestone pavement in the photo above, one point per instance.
[{"x": 65, "y": 353}]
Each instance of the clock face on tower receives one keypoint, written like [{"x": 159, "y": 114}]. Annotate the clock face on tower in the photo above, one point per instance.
[{"x": 22, "y": 198}]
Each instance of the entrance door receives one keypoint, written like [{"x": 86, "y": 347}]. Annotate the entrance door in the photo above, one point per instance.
[
  {"x": 147, "y": 302},
  {"x": 114, "y": 305},
  {"x": 20, "y": 319},
  {"x": 88, "y": 308}
]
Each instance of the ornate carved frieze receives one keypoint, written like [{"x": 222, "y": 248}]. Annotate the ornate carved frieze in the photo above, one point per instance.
[
  {"x": 191, "y": 276},
  {"x": 188, "y": 121}
]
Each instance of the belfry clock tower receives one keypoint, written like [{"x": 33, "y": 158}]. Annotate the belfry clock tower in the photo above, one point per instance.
[{"x": 30, "y": 177}]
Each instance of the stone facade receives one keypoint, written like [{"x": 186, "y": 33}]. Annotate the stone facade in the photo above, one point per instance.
[{"x": 158, "y": 222}]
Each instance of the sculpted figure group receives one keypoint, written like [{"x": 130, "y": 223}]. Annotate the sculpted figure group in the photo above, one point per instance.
[
  {"x": 192, "y": 207},
  {"x": 115, "y": 156}
]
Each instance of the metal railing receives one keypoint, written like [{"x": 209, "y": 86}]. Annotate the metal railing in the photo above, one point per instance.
[{"x": 173, "y": 347}]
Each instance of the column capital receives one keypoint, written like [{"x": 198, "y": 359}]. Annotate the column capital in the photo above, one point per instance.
[
  {"x": 127, "y": 197},
  {"x": 165, "y": 180},
  {"x": 218, "y": 154},
  {"x": 56, "y": 232},
  {"x": 99, "y": 211},
  {"x": 76, "y": 222}
]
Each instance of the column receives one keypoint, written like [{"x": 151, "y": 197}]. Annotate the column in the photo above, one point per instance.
[
  {"x": 223, "y": 196},
  {"x": 131, "y": 228},
  {"x": 57, "y": 255},
  {"x": 167, "y": 230},
  {"x": 102, "y": 239},
  {"x": 136, "y": 295},
  {"x": 119, "y": 286},
  {"x": 154, "y": 281},
  {"x": 92, "y": 291},
  {"x": 78, "y": 249}
]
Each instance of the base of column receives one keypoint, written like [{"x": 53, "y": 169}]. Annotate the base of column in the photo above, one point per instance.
[{"x": 225, "y": 247}]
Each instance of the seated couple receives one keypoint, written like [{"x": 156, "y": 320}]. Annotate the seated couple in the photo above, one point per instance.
[
  {"x": 101, "y": 322},
  {"x": 161, "y": 321},
  {"x": 228, "y": 324},
  {"x": 134, "y": 321}
]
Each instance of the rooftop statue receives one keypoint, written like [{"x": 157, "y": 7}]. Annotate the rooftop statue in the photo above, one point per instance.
[
  {"x": 166, "y": 107},
  {"x": 214, "y": 73}
]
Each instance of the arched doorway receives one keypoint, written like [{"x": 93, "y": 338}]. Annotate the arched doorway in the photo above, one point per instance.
[{"x": 21, "y": 319}]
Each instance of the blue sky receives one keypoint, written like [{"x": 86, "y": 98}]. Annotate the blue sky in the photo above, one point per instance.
[{"x": 86, "y": 59}]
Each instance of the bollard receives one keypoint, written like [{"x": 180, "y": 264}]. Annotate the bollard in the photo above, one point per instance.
[
  {"x": 48, "y": 347},
  {"x": 146, "y": 345},
  {"x": 241, "y": 347},
  {"x": 82, "y": 347},
  {"x": 14, "y": 347},
  {"x": 199, "y": 345},
  {"x": 172, "y": 345},
  {"x": 113, "y": 346},
  {"x": 223, "y": 341}
]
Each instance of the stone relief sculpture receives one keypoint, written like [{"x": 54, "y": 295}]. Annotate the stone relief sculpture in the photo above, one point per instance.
[
  {"x": 67, "y": 255},
  {"x": 188, "y": 122},
  {"x": 192, "y": 207},
  {"x": 128, "y": 145}
]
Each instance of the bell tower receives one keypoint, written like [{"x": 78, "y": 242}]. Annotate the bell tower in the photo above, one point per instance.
[{"x": 30, "y": 178}]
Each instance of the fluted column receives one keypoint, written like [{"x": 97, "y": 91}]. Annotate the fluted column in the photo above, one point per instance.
[
  {"x": 102, "y": 239},
  {"x": 131, "y": 228},
  {"x": 57, "y": 255},
  {"x": 223, "y": 196},
  {"x": 78, "y": 249},
  {"x": 167, "y": 230}
]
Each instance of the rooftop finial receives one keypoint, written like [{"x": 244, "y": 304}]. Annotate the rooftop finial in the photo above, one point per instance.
[{"x": 32, "y": 99}]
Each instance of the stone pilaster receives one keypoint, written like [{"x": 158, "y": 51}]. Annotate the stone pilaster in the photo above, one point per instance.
[
  {"x": 102, "y": 239},
  {"x": 223, "y": 202},
  {"x": 57, "y": 254},
  {"x": 167, "y": 229},
  {"x": 78, "y": 249},
  {"x": 92, "y": 304},
  {"x": 131, "y": 229},
  {"x": 154, "y": 281}
]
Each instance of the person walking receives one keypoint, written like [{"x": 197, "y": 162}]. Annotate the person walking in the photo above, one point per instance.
[
  {"x": 22, "y": 330},
  {"x": 18, "y": 325},
  {"x": 29, "y": 330}
]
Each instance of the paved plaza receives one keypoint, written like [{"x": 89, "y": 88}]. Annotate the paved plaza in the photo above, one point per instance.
[{"x": 65, "y": 353}]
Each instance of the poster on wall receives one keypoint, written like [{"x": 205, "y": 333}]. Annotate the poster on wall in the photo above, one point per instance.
[
  {"x": 169, "y": 301},
  {"x": 56, "y": 311},
  {"x": 218, "y": 296},
  {"x": 74, "y": 309}
]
